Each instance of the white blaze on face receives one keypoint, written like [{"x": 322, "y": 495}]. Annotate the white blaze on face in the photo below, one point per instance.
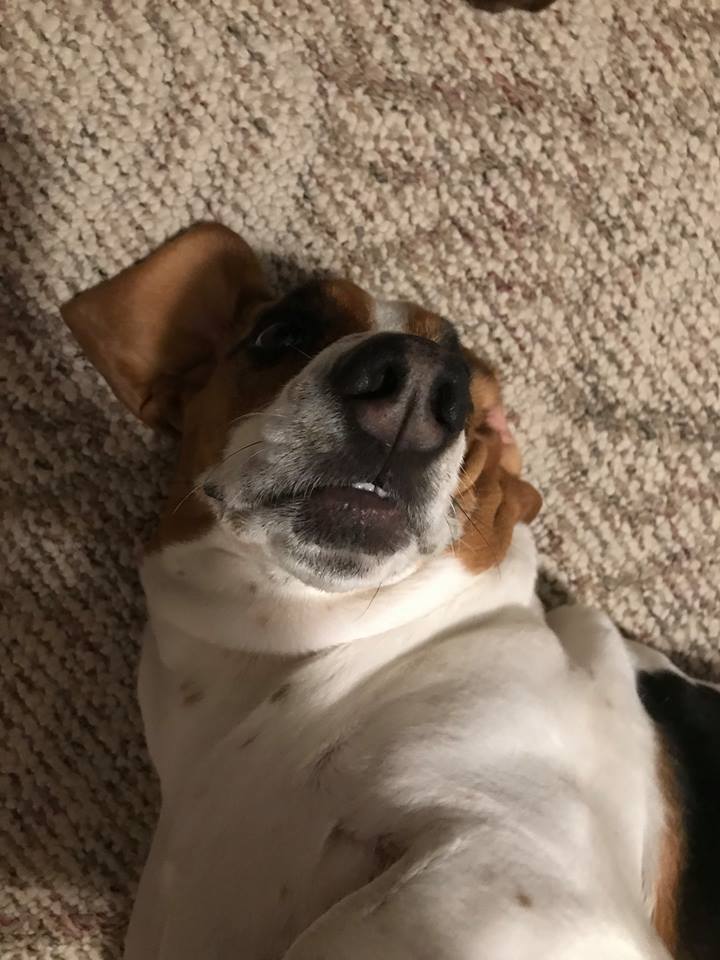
[{"x": 391, "y": 316}]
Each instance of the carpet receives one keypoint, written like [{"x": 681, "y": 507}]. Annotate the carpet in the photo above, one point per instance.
[{"x": 549, "y": 182}]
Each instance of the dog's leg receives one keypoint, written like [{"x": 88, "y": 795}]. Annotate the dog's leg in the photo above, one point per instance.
[{"x": 403, "y": 915}]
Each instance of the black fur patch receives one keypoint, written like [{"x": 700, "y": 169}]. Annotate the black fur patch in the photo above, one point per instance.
[{"x": 688, "y": 716}]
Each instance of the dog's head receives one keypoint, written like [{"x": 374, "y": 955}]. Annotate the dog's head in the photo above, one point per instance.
[{"x": 350, "y": 437}]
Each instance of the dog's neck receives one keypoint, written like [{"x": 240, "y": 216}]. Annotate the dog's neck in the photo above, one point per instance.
[{"x": 215, "y": 590}]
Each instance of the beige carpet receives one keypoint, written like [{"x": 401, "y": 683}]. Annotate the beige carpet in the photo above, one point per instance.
[{"x": 552, "y": 183}]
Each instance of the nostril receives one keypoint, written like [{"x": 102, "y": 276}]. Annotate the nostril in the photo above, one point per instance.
[
  {"x": 448, "y": 405},
  {"x": 383, "y": 382},
  {"x": 378, "y": 380}
]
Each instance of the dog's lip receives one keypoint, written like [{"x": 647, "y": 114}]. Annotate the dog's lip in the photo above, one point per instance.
[
  {"x": 352, "y": 517},
  {"x": 361, "y": 498},
  {"x": 353, "y": 494}
]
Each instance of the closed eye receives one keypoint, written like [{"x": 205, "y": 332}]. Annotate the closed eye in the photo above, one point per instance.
[
  {"x": 270, "y": 342},
  {"x": 296, "y": 326},
  {"x": 277, "y": 337}
]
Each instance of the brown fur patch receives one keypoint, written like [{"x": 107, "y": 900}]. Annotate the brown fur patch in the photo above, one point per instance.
[
  {"x": 490, "y": 498},
  {"x": 238, "y": 387},
  {"x": 425, "y": 323},
  {"x": 672, "y": 854},
  {"x": 155, "y": 329}
]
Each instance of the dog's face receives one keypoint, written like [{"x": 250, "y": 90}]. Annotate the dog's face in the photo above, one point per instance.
[{"x": 350, "y": 437}]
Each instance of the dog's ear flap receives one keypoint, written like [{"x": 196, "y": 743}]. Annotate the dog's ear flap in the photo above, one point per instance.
[
  {"x": 488, "y": 412},
  {"x": 491, "y": 496},
  {"x": 156, "y": 330}
]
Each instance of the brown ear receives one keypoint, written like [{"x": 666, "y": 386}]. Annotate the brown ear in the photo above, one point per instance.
[
  {"x": 489, "y": 413},
  {"x": 488, "y": 509},
  {"x": 155, "y": 330},
  {"x": 491, "y": 497}
]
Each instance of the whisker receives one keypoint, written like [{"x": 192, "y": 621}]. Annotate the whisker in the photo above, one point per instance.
[
  {"x": 372, "y": 599},
  {"x": 452, "y": 541},
  {"x": 253, "y": 443},
  {"x": 301, "y": 352},
  {"x": 477, "y": 530},
  {"x": 257, "y": 413},
  {"x": 190, "y": 493}
]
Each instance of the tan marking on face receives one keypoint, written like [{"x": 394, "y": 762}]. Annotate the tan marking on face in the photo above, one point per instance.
[
  {"x": 425, "y": 323},
  {"x": 355, "y": 305},
  {"x": 238, "y": 386},
  {"x": 672, "y": 854},
  {"x": 207, "y": 419}
]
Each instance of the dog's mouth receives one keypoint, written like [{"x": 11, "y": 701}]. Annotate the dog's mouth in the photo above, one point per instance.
[{"x": 358, "y": 515}]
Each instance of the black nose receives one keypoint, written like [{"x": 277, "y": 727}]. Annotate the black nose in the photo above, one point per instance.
[{"x": 405, "y": 391}]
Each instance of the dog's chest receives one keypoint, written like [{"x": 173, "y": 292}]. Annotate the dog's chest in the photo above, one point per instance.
[{"x": 296, "y": 784}]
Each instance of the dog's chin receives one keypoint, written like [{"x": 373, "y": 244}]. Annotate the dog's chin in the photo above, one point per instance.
[
  {"x": 339, "y": 539},
  {"x": 334, "y": 570},
  {"x": 343, "y": 538}
]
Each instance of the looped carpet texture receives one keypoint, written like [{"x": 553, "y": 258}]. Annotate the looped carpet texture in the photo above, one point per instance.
[{"x": 549, "y": 182}]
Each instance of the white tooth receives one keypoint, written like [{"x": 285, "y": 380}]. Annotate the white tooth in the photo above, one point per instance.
[{"x": 371, "y": 488}]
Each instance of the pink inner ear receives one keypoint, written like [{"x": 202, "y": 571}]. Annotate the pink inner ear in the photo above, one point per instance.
[{"x": 496, "y": 419}]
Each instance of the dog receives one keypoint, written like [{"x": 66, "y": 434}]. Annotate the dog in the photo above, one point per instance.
[{"x": 370, "y": 739}]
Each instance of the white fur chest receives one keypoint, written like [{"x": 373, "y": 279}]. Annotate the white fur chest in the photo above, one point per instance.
[{"x": 295, "y": 783}]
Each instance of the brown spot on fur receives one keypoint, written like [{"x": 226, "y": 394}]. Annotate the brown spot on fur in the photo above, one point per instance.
[
  {"x": 672, "y": 854},
  {"x": 280, "y": 694},
  {"x": 523, "y": 899},
  {"x": 191, "y": 692},
  {"x": 252, "y": 589},
  {"x": 248, "y": 741}
]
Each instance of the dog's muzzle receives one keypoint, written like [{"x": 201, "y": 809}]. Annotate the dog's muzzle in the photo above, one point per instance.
[{"x": 404, "y": 400}]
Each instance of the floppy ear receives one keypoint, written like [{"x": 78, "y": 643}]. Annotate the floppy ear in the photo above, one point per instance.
[
  {"x": 155, "y": 331},
  {"x": 488, "y": 415},
  {"x": 491, "y": 496}
]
